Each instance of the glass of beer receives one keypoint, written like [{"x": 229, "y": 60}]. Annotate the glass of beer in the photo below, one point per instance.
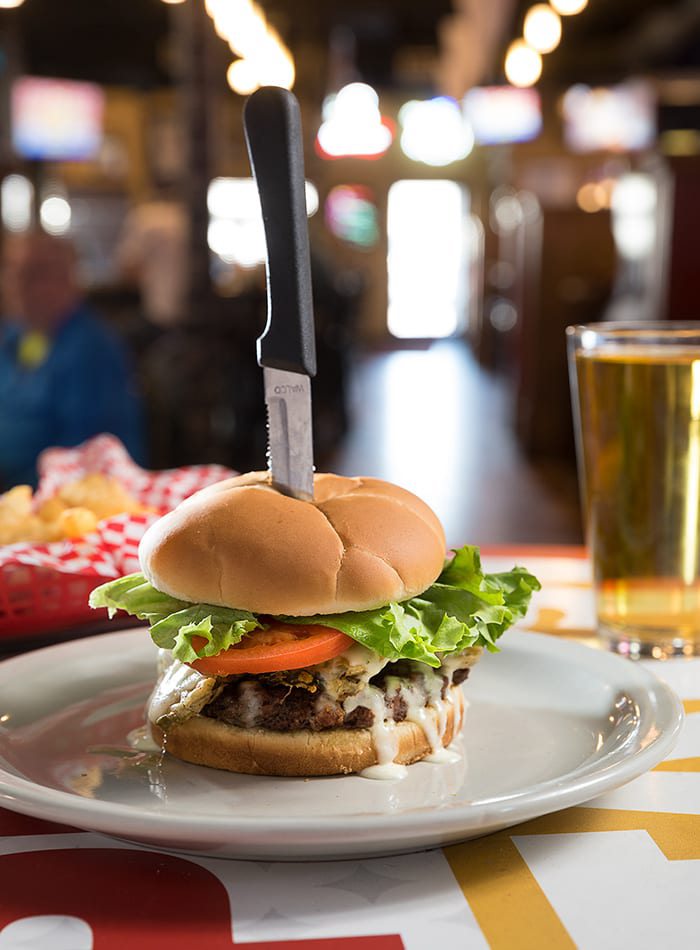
[{"x": 636, "y": 402}]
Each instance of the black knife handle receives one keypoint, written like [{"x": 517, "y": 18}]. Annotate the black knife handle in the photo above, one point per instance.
[{"x": 273, "y": 132}]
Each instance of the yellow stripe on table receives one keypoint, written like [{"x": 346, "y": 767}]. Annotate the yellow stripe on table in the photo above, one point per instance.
[{"x": 509, "y": 905}]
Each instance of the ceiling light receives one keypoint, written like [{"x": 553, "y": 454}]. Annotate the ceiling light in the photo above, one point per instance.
[
  {"x": 568, "y": 7},
  {"x": 523, "y": 65},
  {"x": 542, "y": 28},
  {"x": 242, "y": 77}
]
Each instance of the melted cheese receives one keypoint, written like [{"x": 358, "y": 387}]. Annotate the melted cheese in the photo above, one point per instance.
[{"x": 350, "y": 672}]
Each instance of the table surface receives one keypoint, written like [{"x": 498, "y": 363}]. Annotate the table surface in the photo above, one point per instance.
[{"x": 622, "y": 870}]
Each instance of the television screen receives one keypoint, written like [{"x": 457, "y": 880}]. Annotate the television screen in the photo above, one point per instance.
[
  {"x": 56, "y": 119},
  {"x": 616, "y": 118},
  {"x": 502, "y": 114}
]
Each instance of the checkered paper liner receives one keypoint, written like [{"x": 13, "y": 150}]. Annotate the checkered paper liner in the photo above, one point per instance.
[
  {"x": 106, "y": 454},
  {"x": 43, "y": 586}
]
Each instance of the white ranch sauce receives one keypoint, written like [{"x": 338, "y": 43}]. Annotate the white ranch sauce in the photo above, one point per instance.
[
  {"x": 425, "y": 707},
  {"x": 388, "y": 772},
  {"x": 443, "y": 757},
  {"x": 383, "y": 730}
]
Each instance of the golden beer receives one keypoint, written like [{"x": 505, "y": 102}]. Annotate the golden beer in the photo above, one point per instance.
[{"x": 638, "y": 439}]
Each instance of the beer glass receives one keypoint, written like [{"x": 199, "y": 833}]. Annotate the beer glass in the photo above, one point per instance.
[{"x": 636, "y": 402}]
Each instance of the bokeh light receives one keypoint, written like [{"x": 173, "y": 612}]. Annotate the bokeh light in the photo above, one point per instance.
[
  {"x": 542, "y": 28},
  {"x": 242, "y": 77},
  {"x": 264, "y": 58},
  {"x": 568, "y": 7},
  {"x": 435, "y": 132},
  {"x": 634, "y": 201},
  {"x": 523, "y": 65},
  {"x": 353, "y": 124},
  {"x": 236, "y": 233},
  {"x": 351, "y": 214},
  {"x": 55, "y": 214},
  {"x": 588, "y": 198},
  {"x": 16, "y": 199}
]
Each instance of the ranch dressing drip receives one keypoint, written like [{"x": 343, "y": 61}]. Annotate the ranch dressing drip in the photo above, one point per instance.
[
  {"x": 383, "y": 729},
  {"x": 388, "y": 772},
  {"x": 443, "y": 757},
  {"x": 425, "y": 707}
]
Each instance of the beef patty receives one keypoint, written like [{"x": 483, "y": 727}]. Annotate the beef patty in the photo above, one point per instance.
[{"x": 285, "y": 702}]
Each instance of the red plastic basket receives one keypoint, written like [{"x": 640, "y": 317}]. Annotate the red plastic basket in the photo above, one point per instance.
[
  {"x": 41, "y": 599},
  {"x": 44, "y": 588}
]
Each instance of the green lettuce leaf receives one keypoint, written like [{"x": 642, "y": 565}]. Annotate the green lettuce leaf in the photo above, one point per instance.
[
  {"x": 174, "y": 623},
  {"x": 463, "y": 608}
]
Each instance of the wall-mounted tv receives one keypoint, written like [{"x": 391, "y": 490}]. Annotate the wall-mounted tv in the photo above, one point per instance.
[
  {"x": 609, "y": 118},
  {"x": 502, "y": 114},
  {"x": 56, "y": 119}
]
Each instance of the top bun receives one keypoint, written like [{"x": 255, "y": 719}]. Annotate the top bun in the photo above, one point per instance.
[{"x": 359, "y": 544}]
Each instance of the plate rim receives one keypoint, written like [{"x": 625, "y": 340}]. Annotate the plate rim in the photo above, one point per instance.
[{"x": 23, "y": 795}]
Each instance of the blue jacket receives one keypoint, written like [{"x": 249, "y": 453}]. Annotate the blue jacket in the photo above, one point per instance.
[{"x": 83, "y": 387}]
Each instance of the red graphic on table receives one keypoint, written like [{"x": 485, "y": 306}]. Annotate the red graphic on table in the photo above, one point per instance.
[{"x": 139, "y": 899}]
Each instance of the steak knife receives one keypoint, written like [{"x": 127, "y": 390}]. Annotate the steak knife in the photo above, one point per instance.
[{"x": 286, "y": 349}]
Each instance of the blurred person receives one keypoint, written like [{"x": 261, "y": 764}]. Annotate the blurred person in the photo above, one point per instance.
[
  {"x": 64, "y": 376},
  {"x": 153, "y": 252}
]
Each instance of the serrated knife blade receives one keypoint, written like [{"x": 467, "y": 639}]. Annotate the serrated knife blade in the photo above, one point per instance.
[{"x": 290, "y": 442}]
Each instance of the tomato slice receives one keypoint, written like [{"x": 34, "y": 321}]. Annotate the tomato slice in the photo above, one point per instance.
[{"x": 283, "y": 646}]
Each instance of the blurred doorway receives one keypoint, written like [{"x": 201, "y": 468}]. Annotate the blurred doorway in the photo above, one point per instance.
[{"x": 428, "y": 258}]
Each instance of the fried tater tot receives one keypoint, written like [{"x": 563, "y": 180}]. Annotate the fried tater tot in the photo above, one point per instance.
[{"x": 74, "y": 522}]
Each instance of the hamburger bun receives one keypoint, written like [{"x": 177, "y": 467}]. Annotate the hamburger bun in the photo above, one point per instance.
[
  {"x": 205, "y": 741},
  {"x": 358, "y": 545}
]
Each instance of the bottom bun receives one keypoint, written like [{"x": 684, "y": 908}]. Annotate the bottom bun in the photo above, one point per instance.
[{"x": 210, "y": 742}]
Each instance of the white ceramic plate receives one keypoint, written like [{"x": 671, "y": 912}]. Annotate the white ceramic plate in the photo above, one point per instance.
[{"x": 550, "y": 724}]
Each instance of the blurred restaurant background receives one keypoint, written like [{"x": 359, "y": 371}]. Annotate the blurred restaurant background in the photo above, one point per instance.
[{"x": 481, "y": 174}]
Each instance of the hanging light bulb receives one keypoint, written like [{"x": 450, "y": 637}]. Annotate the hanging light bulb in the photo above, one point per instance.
[
  {"x": 264, "y": 58},
  {"x": 523, "y": 65},
  {"x": 542, "y": 28},
  {"x": 10, "y": 4},
  {"x": 242, "y": 76},
  {"x": 568, "y": 7}
]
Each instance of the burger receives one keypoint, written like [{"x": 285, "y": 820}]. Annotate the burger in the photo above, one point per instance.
[{"x": 311, "y": 637}]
